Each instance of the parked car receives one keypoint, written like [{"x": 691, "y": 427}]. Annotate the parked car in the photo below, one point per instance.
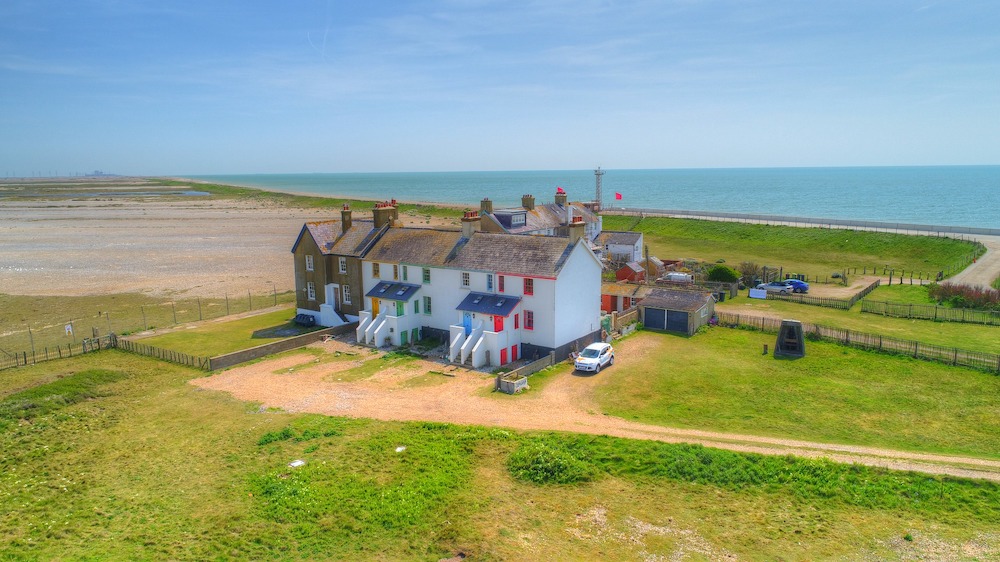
[
  {"x": 306, "y": 320},
  {"x": 594, "y": 357},
  {"x": 783, "y": 287},
  {"x": 798, "y": 286}
]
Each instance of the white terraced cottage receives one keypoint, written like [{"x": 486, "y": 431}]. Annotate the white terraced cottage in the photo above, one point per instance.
[{"x": 494, "y": 298}]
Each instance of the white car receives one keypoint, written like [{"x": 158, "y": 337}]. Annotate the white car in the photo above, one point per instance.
[{"x": 594, "y": 357}]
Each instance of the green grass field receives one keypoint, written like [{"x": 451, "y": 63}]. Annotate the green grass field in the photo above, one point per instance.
[
  {"x": 814, "y": 251},
  {"x": 720, "y": 381},
  {"x": 226, "y": 336},
  {"x": 122, "y": 313},
  {"x": 112, "y": 456},
  {"x": 973, "y": 337}
]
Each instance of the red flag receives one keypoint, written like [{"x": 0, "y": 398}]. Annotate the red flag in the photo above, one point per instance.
[
  {"x": 560, "y": 190},
  {"x": 618, "y": 196}
]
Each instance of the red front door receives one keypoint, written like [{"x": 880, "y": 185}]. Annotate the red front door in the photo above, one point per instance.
[
  {"x": 498, "y": 324},
  {"x": 513, "y": 353},
  {"x": 503, "y": 356}
]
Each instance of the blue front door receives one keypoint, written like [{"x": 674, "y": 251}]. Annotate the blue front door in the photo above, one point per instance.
[{"x": 467, "y": 323}]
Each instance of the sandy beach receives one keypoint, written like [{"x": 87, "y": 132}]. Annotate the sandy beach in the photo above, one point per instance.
[{"x": 182, "y": 246}]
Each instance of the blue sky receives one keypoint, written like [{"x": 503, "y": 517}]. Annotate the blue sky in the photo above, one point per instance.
[{"x": 216, "y": 87}]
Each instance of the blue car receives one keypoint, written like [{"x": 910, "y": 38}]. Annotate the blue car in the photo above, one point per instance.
[{"x": 798, "y": 286}]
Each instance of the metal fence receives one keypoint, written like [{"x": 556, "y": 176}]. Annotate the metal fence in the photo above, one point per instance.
[
  {"x": 932, "y": 312},
  {"x": 23, "y": 358},
  {"x": 872, "y": 342},
  {"x": 134, "y": 314}
]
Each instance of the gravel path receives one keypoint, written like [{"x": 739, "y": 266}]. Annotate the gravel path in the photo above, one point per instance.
[
  {"x": 299, "y": 384},
  {"x": 986, "y": 268}
]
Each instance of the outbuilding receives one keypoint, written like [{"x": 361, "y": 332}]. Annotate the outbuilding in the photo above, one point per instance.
[
  {"x": 631, "y": 271},
  {"x": 674, "y": 310}
]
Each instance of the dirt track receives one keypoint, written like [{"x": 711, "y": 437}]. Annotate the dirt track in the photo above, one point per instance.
[{"x": 299, "y": 384}]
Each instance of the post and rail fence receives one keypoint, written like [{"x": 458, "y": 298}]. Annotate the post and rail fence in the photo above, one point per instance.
[
  {"x": 871, "y": 342},
  {"x": 932, "y": 312}
]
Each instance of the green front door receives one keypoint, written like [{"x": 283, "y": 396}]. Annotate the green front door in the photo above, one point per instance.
[{"x": 402, "y": 337}]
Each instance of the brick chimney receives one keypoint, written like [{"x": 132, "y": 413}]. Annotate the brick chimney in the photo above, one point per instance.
[
  {"x": 470, "y": 223},
  {"x": 561, "y": 198},
  {"x": 577, "y": 229},
  {"x": 345, "y": 218},
  {"x": 384, "y": 213},
  {"x": 485, "y": 206},
  {"x": 528, "y": 202}
]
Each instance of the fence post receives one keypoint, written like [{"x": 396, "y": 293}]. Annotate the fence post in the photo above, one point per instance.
[
  {"x": 249, "y": 299},
  {"x": 173, "y": 307}
]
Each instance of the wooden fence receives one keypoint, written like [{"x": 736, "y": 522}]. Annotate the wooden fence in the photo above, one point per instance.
[
  {"x": 872, "y": 342},
  {"x": 23, "y": 358},
  {"x": 513, "y": 381},
  {"x": 843, "y": 304},
  {"x": 162, "y": 354},
  {"x": 932, "y": 312}
]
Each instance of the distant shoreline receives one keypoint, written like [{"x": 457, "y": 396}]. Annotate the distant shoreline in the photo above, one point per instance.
[{"x": 807, "y": 222}]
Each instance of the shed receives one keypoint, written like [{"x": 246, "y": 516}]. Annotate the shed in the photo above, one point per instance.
[
  {"x": 631, "y": 271},
  {"x": 675, "y": 310},
  {"x": 621, "y": 296}
]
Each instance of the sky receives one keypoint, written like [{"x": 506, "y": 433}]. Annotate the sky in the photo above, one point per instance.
[{"x": 177, "y": 87}]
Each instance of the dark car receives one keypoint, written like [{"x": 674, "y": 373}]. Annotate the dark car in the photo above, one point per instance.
[{"x": 798, "y": 286}]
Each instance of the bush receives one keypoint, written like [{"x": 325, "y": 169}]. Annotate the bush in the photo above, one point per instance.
[
  {"x": 965, "y": 296},
  {"x": 542, "y": 464},
  {"x": 723, "y": 274}
]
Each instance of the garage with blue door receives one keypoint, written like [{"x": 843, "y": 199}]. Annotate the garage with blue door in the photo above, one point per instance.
[{"x": 674, "y": 310}]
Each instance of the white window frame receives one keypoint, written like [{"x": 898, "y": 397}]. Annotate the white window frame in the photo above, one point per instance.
[
  {"x": 466, "y": 279},
  {"x": 345, "y": 294},
  {"x": 311, "y": 291},
  {"x": 310, "y": 264},
  {"x": 343, "y": 264},
  {"x": 376, "y": 270}
]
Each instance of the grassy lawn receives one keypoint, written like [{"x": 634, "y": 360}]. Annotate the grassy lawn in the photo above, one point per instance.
[
  {"x": 974, "y": 337},
  {"x": 226, "y": 336},
  {"x": 720, "y": 381},
  {"x": 814, "y": 251},
  {"x": 131, "y": 463}
]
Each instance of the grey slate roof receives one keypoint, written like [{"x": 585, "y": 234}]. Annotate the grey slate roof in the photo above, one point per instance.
[
  {"x": 331, "y": 239},
  {"x": 668, "y": 299},
  {"x": 423, "y": 246},
  {"x": 393, "y": 291},
  {"x": 536, "y": 256},
  {"x": 618, "y": 238},
  {"x": 498, "y": 305},
  {"x": 550, "y": 215}
]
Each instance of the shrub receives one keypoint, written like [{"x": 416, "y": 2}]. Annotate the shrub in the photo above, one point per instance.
[
  {"x": 273, "y": 436},
  {"x": 542, "y": 464},
  {"x": 965, "y": 296},
  {"x": 723, "y": 274}
]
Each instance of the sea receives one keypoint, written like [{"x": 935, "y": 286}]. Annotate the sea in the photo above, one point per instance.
[{"x": 961, "y": 196}]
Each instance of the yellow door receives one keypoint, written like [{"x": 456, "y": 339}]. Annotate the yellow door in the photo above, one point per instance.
[{"x": 374, "y": 307}]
